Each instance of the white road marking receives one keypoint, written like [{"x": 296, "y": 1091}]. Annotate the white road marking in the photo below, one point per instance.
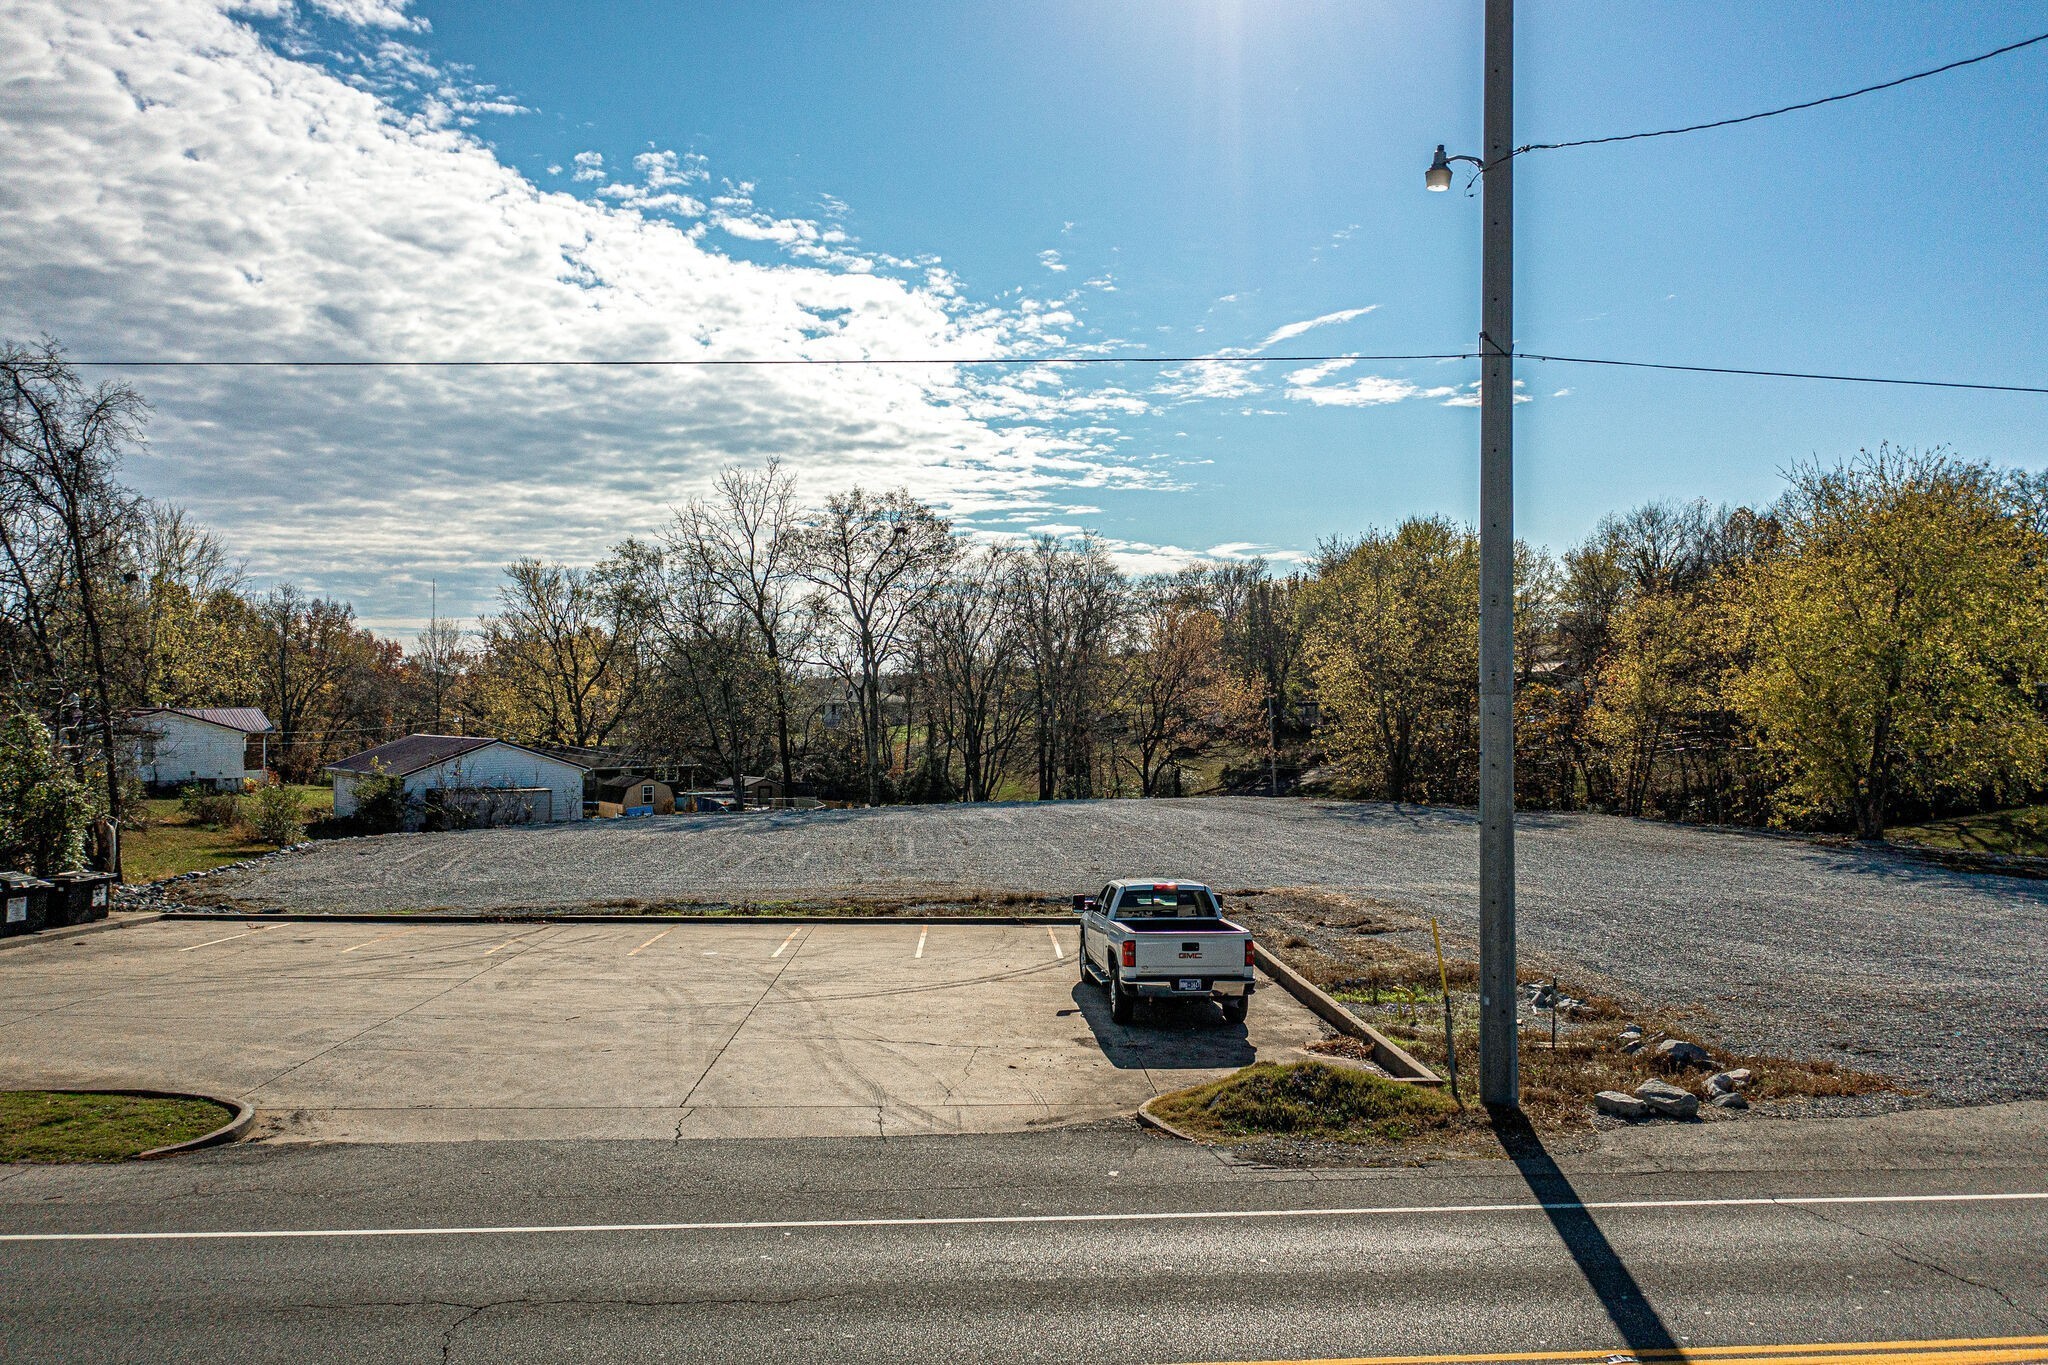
[
  {"x": 1057, "y": 951},
  {"x": 786, "y": 942},
  {"x": 921, "y": 935},
  {"x": 1031, "y": 1219},
  {"x": 651, "y": 942},
  {"x": 381, "y": 938},
  {"x": 231, "y": 937}
]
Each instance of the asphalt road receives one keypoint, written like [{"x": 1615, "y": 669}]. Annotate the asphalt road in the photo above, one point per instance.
[
  {"x": 1102, "y": 1244},
  {"x": 1862, "y": 956}
]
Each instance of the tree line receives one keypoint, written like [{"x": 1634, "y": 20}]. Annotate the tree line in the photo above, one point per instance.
[{"x": 1870, "y": 644}]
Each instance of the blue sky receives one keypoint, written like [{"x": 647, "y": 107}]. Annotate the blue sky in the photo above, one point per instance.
[{"x": 1036, "y": 177}]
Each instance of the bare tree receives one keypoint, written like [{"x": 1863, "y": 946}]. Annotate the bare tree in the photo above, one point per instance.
[
  {"x": 439, "y": 657},
  {"x": 970, "y": 637},
  {"x": 1072, "y": 598},
  {"x": 564, "y": 659},
  {"x": 874, "y": 559},
  {"x": 63, "y": 516},
  {"x": 714, "y": 671},
  {"x": 743, "y": 541}
]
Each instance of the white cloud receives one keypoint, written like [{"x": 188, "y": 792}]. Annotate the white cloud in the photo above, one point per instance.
[
  {"x": 1295, "y": 329},
  {"x": 172, "y": 186},
  {"x": 1201, "y": 380},
  {"x": 1050, "y": 259},
  {"x": 371, "y": 13},
  {"x": 1306, "y": 385},
  {"x": 1562, "y": 393},
  {"x": 589, "y": 165}
]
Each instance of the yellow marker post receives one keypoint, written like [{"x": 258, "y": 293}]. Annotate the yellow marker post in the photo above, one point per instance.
[{"x": 1443, "y": 980}]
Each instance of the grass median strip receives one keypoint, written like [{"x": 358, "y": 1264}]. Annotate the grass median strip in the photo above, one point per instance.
[
  {"x": 64, "y": 1125},
  {"x": 1306, "y": 1100}
]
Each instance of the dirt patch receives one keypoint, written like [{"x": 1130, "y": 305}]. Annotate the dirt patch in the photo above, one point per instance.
[
  {"x": 1306, "y": 1100},
  {"x": 1378, "y": 958}
]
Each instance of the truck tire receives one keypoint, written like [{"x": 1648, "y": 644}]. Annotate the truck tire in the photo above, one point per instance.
[
  {"x": 1082, "y": 953},
  {"x": 1235, "y": 1007},
  {"x": 1122, "y": 1006}
]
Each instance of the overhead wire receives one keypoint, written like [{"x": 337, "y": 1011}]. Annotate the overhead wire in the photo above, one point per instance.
[{"x": 1788, "y": 108}]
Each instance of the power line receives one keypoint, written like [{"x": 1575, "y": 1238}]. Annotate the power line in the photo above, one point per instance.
[
  {"x": 706, "y": 361},
  {"x": 1789, "y": 108},
  {"x": 1786, "y": 374},
  {"x": 1231, "y": 359}
]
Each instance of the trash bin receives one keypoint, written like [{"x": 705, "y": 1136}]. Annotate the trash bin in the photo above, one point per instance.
[
  {"x": 80, "y": 897},
  {"x": 27, "y": 903}
]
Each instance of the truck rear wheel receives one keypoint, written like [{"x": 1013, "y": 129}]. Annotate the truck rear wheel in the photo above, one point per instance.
[
  {"x": 1235, "y": 1007},
  {"x": 1122, "y": 1008}
]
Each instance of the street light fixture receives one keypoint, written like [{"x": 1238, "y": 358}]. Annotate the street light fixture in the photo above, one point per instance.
[
  {"x": 1438, "y": 176},
  {"x": 1499, "y": 1046}
]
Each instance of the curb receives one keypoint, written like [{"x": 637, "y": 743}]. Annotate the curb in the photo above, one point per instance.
[
  {"x": 1389, "y": 1055},
  {"x": 1148, "y": 1119},
  {"x": 504, "y": 917},
  {"x": 127, "y": 918}
]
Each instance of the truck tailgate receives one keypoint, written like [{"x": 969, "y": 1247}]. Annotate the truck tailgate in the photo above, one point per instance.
[{"x": 1191, "y": 952}]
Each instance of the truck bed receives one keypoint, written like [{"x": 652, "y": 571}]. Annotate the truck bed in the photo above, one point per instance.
[{"x": 1181, "y": 926}]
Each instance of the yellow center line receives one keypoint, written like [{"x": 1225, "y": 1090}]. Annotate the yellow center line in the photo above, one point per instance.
[
  {"x": 921, "y": 935},
  {"x": 230, "y": 938},
  {"x": 786, "y": 942},
  {"x": 1946, "y": 1351},
  {"x": 652, "y": 941},
  {"x": 397, "y": 933},
  {"x": 1057, "y": 951}
]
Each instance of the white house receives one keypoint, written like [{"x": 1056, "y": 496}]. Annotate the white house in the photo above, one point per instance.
[
  {"x": 216, "y": 746},
  {"x": 476, "y": 766}
]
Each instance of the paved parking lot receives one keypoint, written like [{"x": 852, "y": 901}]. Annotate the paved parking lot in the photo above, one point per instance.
[
  {"x": 393, "y": 1032},
  {"x": 1859, "y": 955}
]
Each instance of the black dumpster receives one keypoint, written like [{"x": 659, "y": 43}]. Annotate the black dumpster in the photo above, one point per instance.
[
  {"x": 80, "y": 897},
  {"x": 27, "y": 903}
]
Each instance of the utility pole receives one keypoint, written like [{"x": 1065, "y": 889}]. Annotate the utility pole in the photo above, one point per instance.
[{"x": 1499, "y": 1061}]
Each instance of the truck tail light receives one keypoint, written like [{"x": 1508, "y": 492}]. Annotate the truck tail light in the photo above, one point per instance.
[
  {"x": 1130, "y": 952},
  {"x": 1248, "y": 952}
]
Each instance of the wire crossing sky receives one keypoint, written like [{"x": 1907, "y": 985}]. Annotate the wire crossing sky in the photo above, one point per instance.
[{"x": 416, "y": 288}]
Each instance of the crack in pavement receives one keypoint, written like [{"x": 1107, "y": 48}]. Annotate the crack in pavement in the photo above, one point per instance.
[{"x": 1902, "y": 1254}]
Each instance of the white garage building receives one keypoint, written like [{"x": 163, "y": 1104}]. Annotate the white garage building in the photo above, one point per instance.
[
  {"x": 213, "y": 746},
  {"x": 508, "y": 777}
]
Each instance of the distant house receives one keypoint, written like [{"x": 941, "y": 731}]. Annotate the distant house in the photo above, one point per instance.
[
  {"x": 756, "y": 791},
  {"x": 511, "y": 783},
  {"x": 214, "y": 746},
  {"x": 635, "y": 791}
]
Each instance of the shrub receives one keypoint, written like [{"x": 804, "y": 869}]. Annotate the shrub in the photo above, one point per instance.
[
  {"x": 213, "y": 809},
  {"x": 45, "y": 812},
  {"x": 275, "y": 816},
  {"x": 382, "y": 805},
  {"x": 1308, "y": 1099}
]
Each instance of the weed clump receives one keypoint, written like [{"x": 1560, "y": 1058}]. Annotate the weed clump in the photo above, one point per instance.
[{"x": 1307, "y": 1100}]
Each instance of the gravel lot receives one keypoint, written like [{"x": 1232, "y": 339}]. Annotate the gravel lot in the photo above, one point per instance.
[{"x": 1878, "y": 961}]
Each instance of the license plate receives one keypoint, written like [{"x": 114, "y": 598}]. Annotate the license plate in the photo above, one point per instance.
[{"x": 1190, "y": 983}]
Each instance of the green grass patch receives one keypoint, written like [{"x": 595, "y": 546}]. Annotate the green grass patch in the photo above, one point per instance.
[
  {"x": 1307, "y": 1100},
  {"x": 62, "y": 1125},
  {"x": 172, "y": 844},
  {"x": 2022, "y": 830}
]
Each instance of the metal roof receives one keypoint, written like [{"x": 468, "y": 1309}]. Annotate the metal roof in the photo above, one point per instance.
[{"x": 250, "y": 720}]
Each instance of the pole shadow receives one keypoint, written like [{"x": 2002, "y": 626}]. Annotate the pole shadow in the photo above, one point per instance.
[{"x": 1595, "y": 1256}]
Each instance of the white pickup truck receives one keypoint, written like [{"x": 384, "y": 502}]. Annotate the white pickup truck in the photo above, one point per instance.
[{"x": 1161, "y": 940}]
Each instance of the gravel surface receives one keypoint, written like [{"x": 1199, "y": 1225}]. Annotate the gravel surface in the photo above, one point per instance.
[{"x": 1865, "y": 956}]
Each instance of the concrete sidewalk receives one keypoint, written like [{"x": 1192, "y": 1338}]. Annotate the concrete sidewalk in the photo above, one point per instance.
[{"x": 390, "y": 1032}]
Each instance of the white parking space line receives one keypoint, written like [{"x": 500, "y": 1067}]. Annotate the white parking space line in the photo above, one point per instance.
[
  {"x": 786, "y": 942},
  {"x": 229, "y": 939},
  {"x": 381, "y": 938},
  {"x": 1035, "y": 1219},
  {"x": 922, "y": 934},
  {"x": 1057, "y": 951},
  {"x": 651, "y": 942}
]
